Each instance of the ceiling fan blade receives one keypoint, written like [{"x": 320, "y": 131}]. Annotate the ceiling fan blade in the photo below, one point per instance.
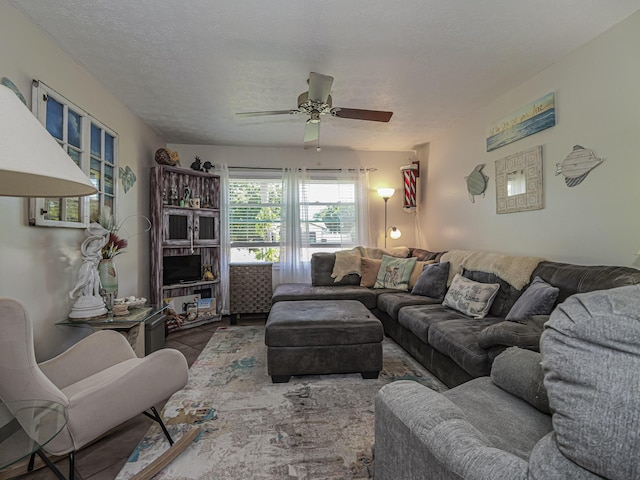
[
  {"x": 356, "y": 114},
  {"x": 311, "y": 134},
  {"x": 319, "y": 87},
  {"x": 260, "y": 114}
]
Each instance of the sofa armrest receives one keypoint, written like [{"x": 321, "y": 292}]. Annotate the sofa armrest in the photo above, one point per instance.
[
  {"x": 514, "y": 334},
  {"x": 421, "y": 434},
  {"x": 520, "y": 373}
]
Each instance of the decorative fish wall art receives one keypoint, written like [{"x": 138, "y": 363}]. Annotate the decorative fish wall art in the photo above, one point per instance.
[
  {"x": 128, "y": 178},
  {"x": 577, "y": 165},
  {"x": 476, "y": 182}
]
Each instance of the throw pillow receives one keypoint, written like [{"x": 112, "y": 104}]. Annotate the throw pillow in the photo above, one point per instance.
[
  {"x": 538, "y": 299},
  {"x": 370, "y": 268},
  {"x": 417, "y": 271},
  {"x": 432, "y": 281},
  {"x": 471, "y": 298},
  {"x": 395, "y": 272}
]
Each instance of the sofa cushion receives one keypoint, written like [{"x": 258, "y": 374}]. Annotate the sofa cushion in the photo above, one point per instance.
[
  {"x": 395, "y": 272},
  {"x": 471, "y": 298},
  {"x": 304, "y": 291},
  {"x": 506, "y": 296},
  {"x": 424, "y": 255},
  {"x": 432, "y": 282},
  {"x": 538, "y": 299},
  {"x": 519, "y": 372},
  {"x": 417, "y": 271},
  {"x": 418, "y": 318},
  {"x": 322, "y": 264},
  {"x": 458, "y": 339},
  {"x": 392, "y": 302},
  {"x": 591, "y": 357},
  {"x": 370, "y": 268}
]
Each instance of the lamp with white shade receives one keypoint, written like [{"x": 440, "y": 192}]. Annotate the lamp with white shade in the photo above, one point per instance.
[{"x": 32, "y": 163}]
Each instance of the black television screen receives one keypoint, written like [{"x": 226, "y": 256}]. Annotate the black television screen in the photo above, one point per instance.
[{"x": 180, "y": 269}]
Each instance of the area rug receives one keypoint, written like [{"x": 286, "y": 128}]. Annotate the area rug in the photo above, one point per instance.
[{"x": 313, "y": 427}]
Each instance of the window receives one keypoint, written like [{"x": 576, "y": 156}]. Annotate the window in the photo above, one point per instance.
[
  {"x": 328, "y": 218},
  {"x": 91, "y": 145}
]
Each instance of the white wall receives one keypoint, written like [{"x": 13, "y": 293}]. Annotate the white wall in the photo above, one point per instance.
[
  {"x": 387, "y": 175},
  {"x": 39, "y": 265},
  {"x": 597, "y": 106}
]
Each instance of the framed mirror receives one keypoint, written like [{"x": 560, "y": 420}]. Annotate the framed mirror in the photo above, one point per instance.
[{"x": 519, "y": 182}]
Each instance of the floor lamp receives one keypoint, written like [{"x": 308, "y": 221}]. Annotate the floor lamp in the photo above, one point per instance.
[{"x": 386, "y": 194}]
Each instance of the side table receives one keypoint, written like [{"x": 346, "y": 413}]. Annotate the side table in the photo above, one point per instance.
[
  {"x": 131, "y": 325},
  {"x": 26, "y": 426}
]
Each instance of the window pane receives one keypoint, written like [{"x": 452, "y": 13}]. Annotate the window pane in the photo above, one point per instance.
[
  {"x": 53, "y": 208},
  {"x": 108, "y": 147},
  {"x": 74, "y": 154},
  {"x": 74, "y": 127},
  {"x": 108, "y": 179},
  {"x": 94, "y": 173},
  {"x": 94, "y": 208},
  {"x": 54, "y": 118},
  {"x": 108, "y": 205},
  {"x": 72, "y": 209},
  {"x": 96, "y": 141}
]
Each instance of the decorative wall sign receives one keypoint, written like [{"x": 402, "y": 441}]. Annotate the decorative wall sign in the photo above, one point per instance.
[
  {"x": 530, "y": 119},
  {"x": 577, "y": 165},
  {"x": 476, "y": 182},
  {"x": 519, "y": 182}
]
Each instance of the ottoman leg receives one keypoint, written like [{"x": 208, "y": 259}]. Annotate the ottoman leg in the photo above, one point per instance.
[
  {"x": 281, "y": 378},
  {"x": 370, "y": 375}
]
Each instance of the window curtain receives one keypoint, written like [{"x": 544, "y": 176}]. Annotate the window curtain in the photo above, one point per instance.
[
  {"x": 360, "y": 178},
  {"x": 295, "y": 261},
  {"x": 225, "y": 248}
]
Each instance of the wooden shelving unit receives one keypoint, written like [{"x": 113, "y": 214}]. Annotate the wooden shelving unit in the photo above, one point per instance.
[{"x": 178, "y": 228}]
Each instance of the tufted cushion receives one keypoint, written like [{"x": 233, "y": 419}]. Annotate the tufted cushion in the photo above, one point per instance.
[
  {"x": 591, "y": 357},
  {"x": 471, "y": 298},
  {"x": 538, "y": 299}
]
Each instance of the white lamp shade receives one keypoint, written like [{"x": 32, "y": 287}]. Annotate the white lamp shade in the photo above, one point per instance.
[
  {"x": 32, "y": 163},
  {"x": 386, "y": 192},
  {"x": 395, "y": 233}
]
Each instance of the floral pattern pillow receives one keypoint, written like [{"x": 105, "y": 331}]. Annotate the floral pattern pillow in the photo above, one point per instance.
[{"x": 471, "y": 298}]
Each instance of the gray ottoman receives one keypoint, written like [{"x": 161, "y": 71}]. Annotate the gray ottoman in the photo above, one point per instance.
[{"x": 311, "y": 337}]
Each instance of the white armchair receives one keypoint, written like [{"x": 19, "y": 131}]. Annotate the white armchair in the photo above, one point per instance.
[{"x": 100, "y": 380}]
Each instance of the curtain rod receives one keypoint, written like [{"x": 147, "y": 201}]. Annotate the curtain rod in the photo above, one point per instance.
[{"x": 274, "y": 169}]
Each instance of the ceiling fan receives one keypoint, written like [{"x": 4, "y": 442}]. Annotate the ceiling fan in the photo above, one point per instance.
[{"x": 316, "y": 102}]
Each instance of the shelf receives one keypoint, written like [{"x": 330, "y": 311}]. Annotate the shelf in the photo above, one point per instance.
[{"x": 189, "y": 285}]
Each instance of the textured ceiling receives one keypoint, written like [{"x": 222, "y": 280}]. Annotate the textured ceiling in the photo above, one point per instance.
[{"x": 186, "y": 66}]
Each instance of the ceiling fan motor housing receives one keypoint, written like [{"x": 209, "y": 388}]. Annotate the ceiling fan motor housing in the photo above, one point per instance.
[{"x": 313, "y": 108}]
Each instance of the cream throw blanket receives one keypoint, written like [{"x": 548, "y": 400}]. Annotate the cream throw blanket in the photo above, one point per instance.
[
  {"x": 349, "y": 261},
  {"x": 513, "y": 269}
]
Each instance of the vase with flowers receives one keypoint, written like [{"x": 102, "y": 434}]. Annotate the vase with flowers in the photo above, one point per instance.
[{"x": 107, "y": 266}]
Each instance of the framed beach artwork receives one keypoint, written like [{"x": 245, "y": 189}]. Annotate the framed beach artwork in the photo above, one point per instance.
[{"x": 530, "y": 119}]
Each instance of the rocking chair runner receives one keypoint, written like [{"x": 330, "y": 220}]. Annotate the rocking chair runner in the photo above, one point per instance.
[{"x": 99, "y": 380}]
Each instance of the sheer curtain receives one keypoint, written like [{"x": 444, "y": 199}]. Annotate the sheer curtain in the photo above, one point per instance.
[
  {"x": 359, "y": 178},
  {"x": 225, "y": 248},
  {"x": 294, "y": 265}
]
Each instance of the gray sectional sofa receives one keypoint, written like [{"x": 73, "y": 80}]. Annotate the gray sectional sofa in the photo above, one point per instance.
[{"x": 453, "y": 346}]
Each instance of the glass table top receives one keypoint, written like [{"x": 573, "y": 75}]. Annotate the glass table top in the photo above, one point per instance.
[
  {"x": 26, "y": 426},
  {"x": 135, "y": 315}
]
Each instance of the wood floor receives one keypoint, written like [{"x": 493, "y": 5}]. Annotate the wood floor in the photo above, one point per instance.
[{"x": 105, "y": 458}]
